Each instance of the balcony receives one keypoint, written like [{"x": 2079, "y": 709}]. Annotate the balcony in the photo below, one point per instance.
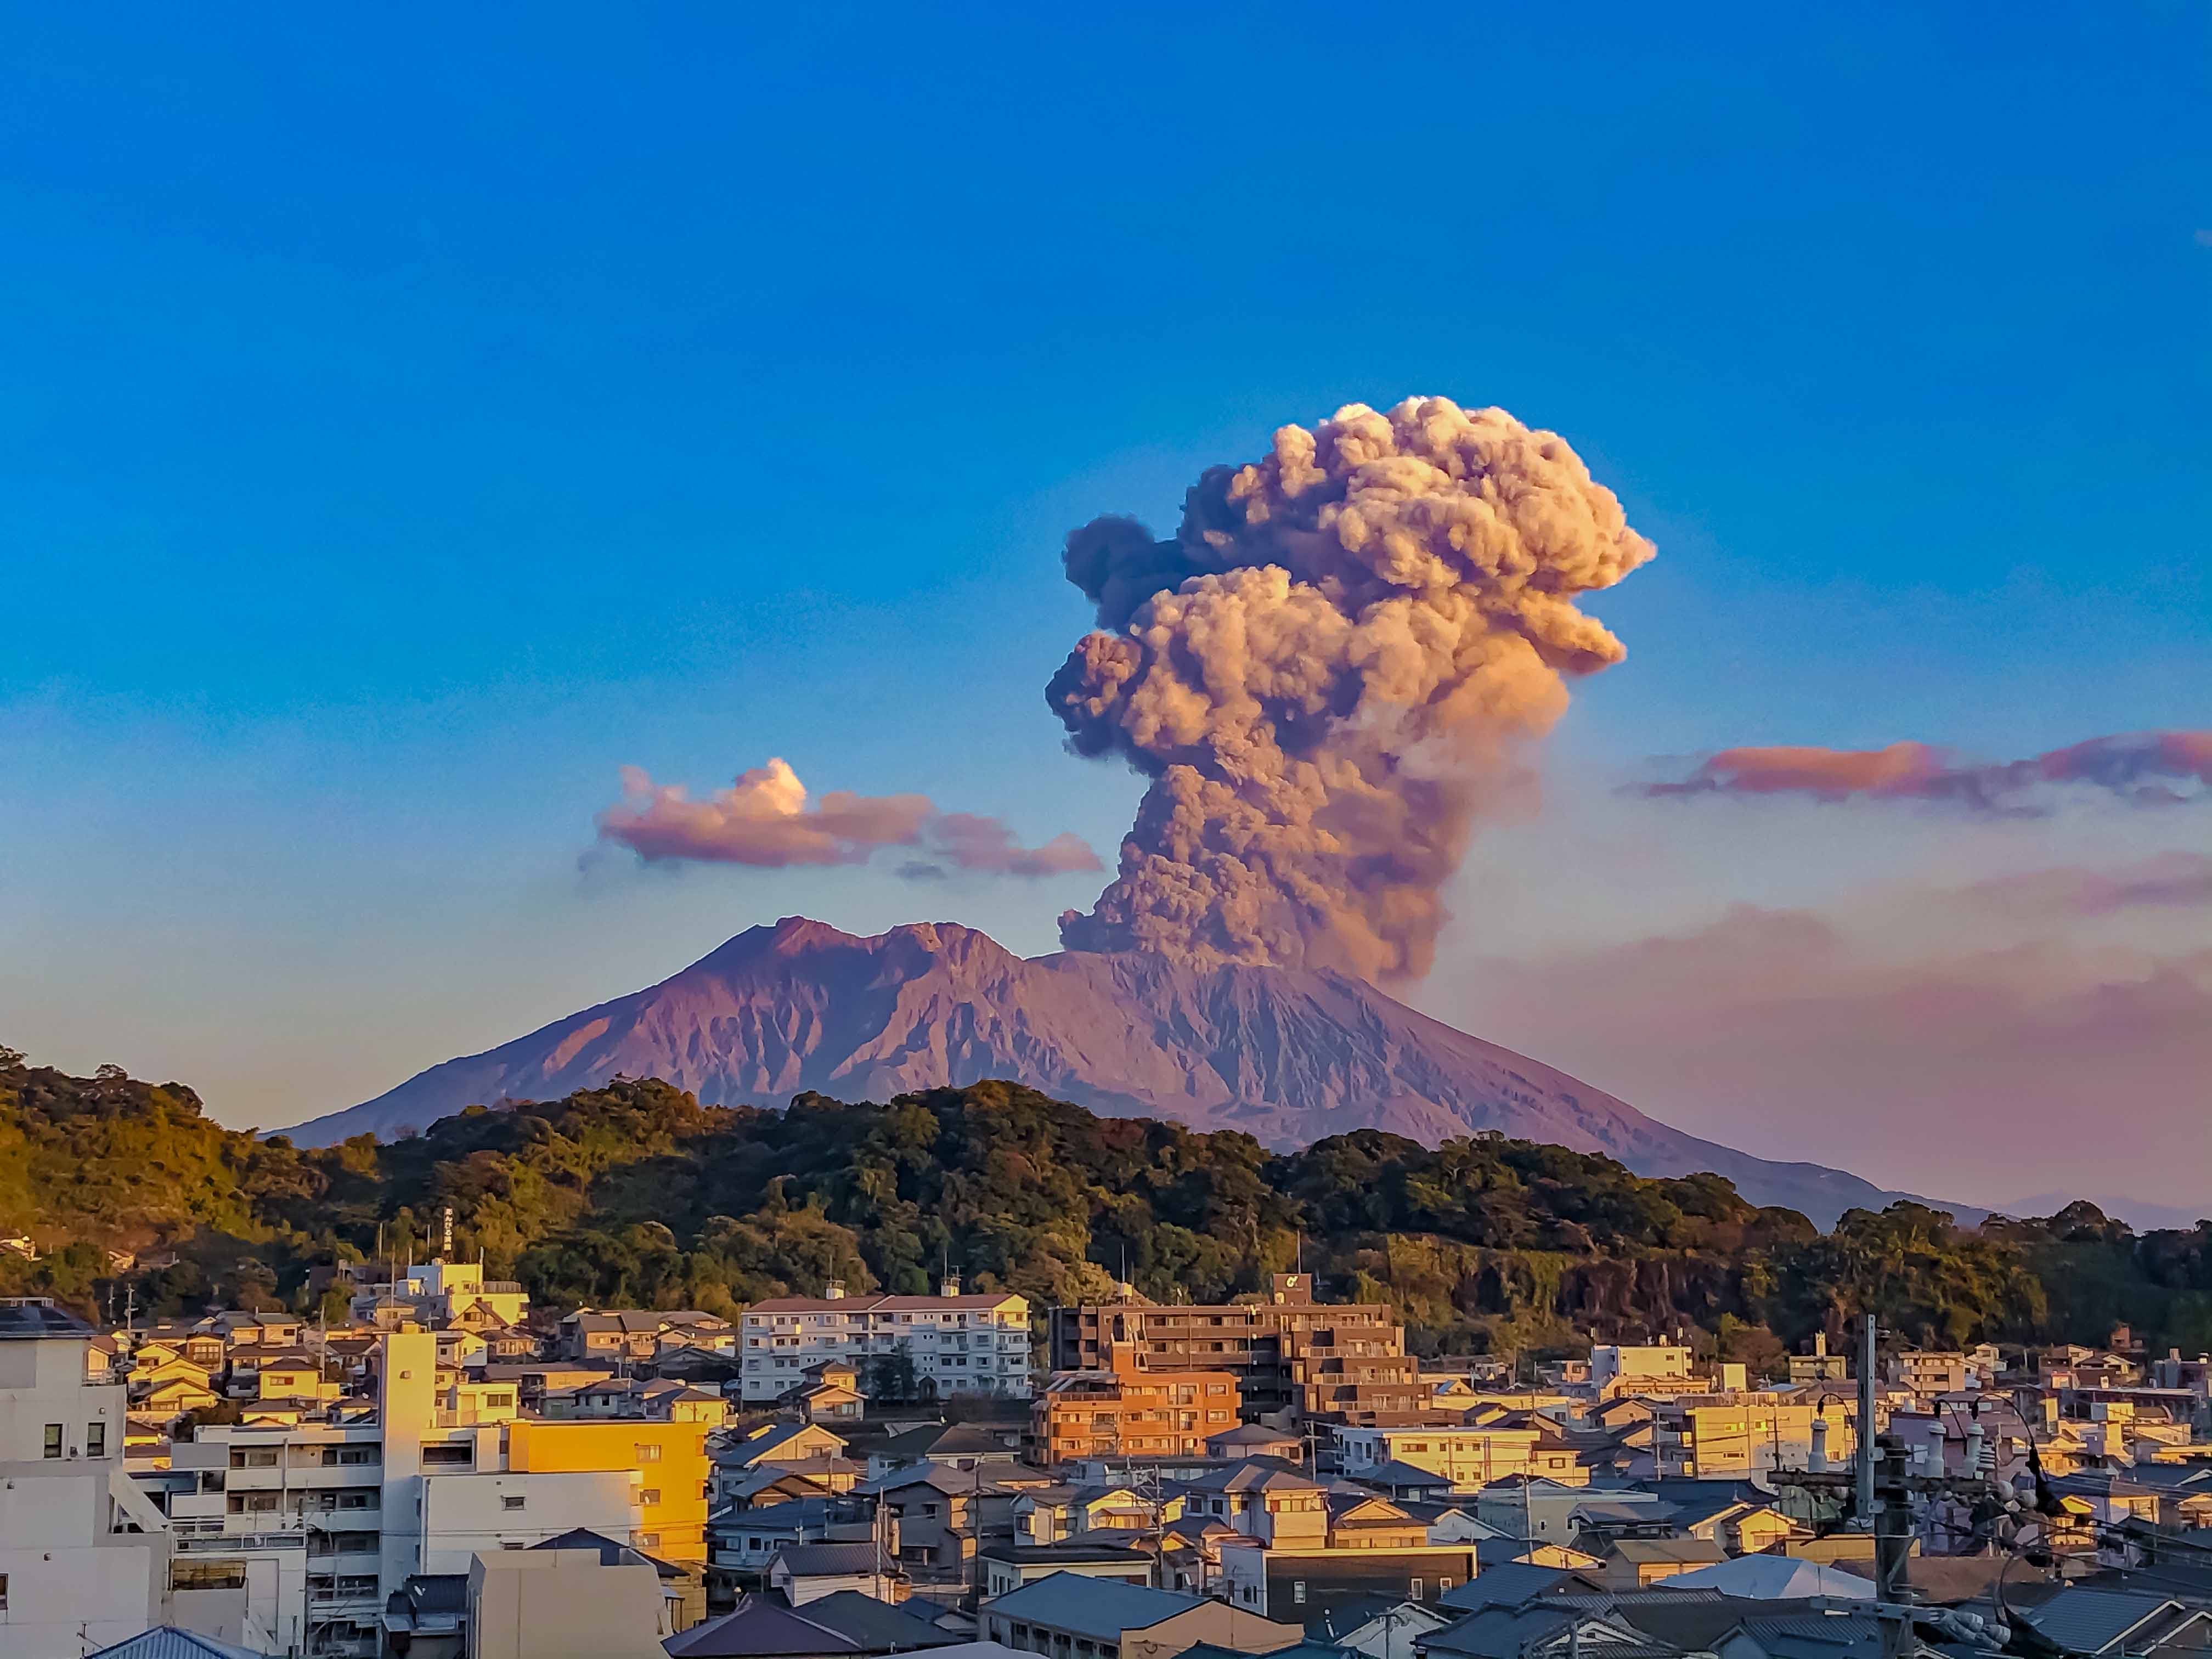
[{"x": 235, "y": 1542}]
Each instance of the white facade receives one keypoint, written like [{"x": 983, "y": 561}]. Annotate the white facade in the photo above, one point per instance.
[
  {"x": 956, "y": 1344},
  {"x": 1617, "y": 1368},
  {"x": 84, "y": 1555}
]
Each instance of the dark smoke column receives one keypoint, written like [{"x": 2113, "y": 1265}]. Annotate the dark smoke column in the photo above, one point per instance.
[{"x": 1324, "y": 674}]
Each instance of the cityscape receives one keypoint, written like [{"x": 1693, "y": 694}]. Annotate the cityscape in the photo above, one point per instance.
[{"x": 1138, "y": 832}]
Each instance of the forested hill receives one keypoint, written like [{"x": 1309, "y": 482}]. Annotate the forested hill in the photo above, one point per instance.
[{"x": 635, "y": 1194}]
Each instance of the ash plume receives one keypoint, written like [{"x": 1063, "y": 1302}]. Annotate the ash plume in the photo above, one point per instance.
[
  {"x": 2141, "y": 768},
  {"x": 765, "y": 818},
  {"x": 1326, "y": 672}
]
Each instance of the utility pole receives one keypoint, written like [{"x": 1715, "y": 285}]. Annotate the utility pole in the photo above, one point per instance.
[{"x": 1866, "y": 1452}]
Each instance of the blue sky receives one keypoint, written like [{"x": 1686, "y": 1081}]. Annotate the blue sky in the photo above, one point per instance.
[{"x": 406, "y": 423}]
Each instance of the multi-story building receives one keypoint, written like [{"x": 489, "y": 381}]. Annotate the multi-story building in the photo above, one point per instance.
[
  {"x": 84, "y": 1558},
  {"x": 937, "y": 1345},
  {"x": 303, "y": 1530},
  {"x": 1639, "y": 1368},
  {"x": 1928, "y": 1372},
  {"x": 1819, "y": 1365},
  {"x": 1287, "y": 1352},
  {"x": 1745, "y": 1435},
  {"x": 1126, "y": 1412}
]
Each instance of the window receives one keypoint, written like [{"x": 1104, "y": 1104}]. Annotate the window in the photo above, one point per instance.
[
  {"x": 647, "y": 1454},
  {"x": 1413, "y": 1590},
  {"x": 3, "y": 1592},
  {"x": 1443, "y": 1587},
  {"x": 651, "y": 1495},
  {"x": 511, "y": 1503},
  {"x": 54, "y": 1440},
  {"x": 95, "y": 1440},
  {"x": 1299, "y": 1593},
  {"x": 207, "y": 1575},
  {"x": 242, "y": 1457},
  {"x": 649, "y": 1540}
]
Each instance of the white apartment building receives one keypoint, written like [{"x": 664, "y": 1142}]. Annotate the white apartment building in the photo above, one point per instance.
[
  {"x": 957, "y": 1344},
  {"x": 1618, "y": 1369},
  {"x": 84, "y": 1555},
  {"x": 1470, "y": 1458}
]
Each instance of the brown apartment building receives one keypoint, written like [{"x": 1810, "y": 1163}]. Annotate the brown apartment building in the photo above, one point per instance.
[
  {"x": 1331, "y": 1362},
  {"x": 1129, "y": 1412}
]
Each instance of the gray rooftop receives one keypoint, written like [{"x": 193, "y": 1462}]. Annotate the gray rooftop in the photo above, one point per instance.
[{"x": 1101, "y": 1609}]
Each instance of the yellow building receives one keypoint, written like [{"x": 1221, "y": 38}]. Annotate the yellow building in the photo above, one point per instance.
[{"x": 670, "y": 1459}]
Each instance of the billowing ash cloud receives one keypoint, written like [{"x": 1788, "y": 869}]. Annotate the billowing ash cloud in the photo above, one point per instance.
[
  {"x": 2144, "y": 769},
  {"x": 1326, "y": 672},
  {"x": 765, "y": 819}
]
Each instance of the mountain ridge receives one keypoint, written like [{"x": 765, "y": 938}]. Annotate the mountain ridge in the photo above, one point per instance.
[{"x": 1287, "y": 1055}]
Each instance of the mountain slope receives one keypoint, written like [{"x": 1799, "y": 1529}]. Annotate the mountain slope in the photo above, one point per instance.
[{"x": 1286, "y": 1055}]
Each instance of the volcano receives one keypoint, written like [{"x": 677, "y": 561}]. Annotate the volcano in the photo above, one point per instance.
[{"x": 1286, "y": 1055}]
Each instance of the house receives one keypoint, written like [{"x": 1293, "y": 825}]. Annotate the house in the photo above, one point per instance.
[
  {"x": 1631, "y": 1564},
  {"x": 827, "y": 1392},
  {"x": 1047, "y": 1514},
  {"x": 172, "y": 1399},
  {"x": 2099, "y": 1622},
  {"x": 955, "y": 1445},
  {"x": 1067, "y": 1615},
  {"x": 1470, "y": 1456},
  {"x": 807, "y": 1572},
  {"x": 944, "y": 1515},
  {"x": 746, "y": 1540},
  {"x": 843, "y": 1625},
  {"x": 1820, "y": 1635},
  {"x": 1522, "y": 1630},
  {"x": 1255, "y": 1440},
  {"x": 1301, "y": 1582},
  {"x": 773, "y": 1483},
  {"x": 1543, "y": 1511},
  {"x": 1407, "y": 1480},
  {"x": 1265, "y": 1499},
  {"x": 1380, "y": 1629},
  {"x": 787, "y": 1442},
  {"x": 1007, "y": 1567},
  {"x": 633, "y": 1334},
  {"x": 1738, "y": 1527}
]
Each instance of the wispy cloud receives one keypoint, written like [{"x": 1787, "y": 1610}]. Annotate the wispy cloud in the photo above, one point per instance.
[
  {"x": 2007, "y": 1046},
  {"x": 2142, "y": 769},
  {"x": 766, "y": 819}
]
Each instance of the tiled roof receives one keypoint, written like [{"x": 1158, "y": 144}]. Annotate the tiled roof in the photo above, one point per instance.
[{"x": 1101, "y": 1609}]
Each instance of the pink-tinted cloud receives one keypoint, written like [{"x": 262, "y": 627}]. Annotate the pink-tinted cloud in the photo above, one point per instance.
[
  {"x": 766, "y": 819},
  {"x": 2143, "y": 768}
]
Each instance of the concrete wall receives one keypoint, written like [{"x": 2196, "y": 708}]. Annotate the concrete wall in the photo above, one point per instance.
[
  {"x": 74, "y": 1581},
  {"x": 562, "y": 1604}
]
